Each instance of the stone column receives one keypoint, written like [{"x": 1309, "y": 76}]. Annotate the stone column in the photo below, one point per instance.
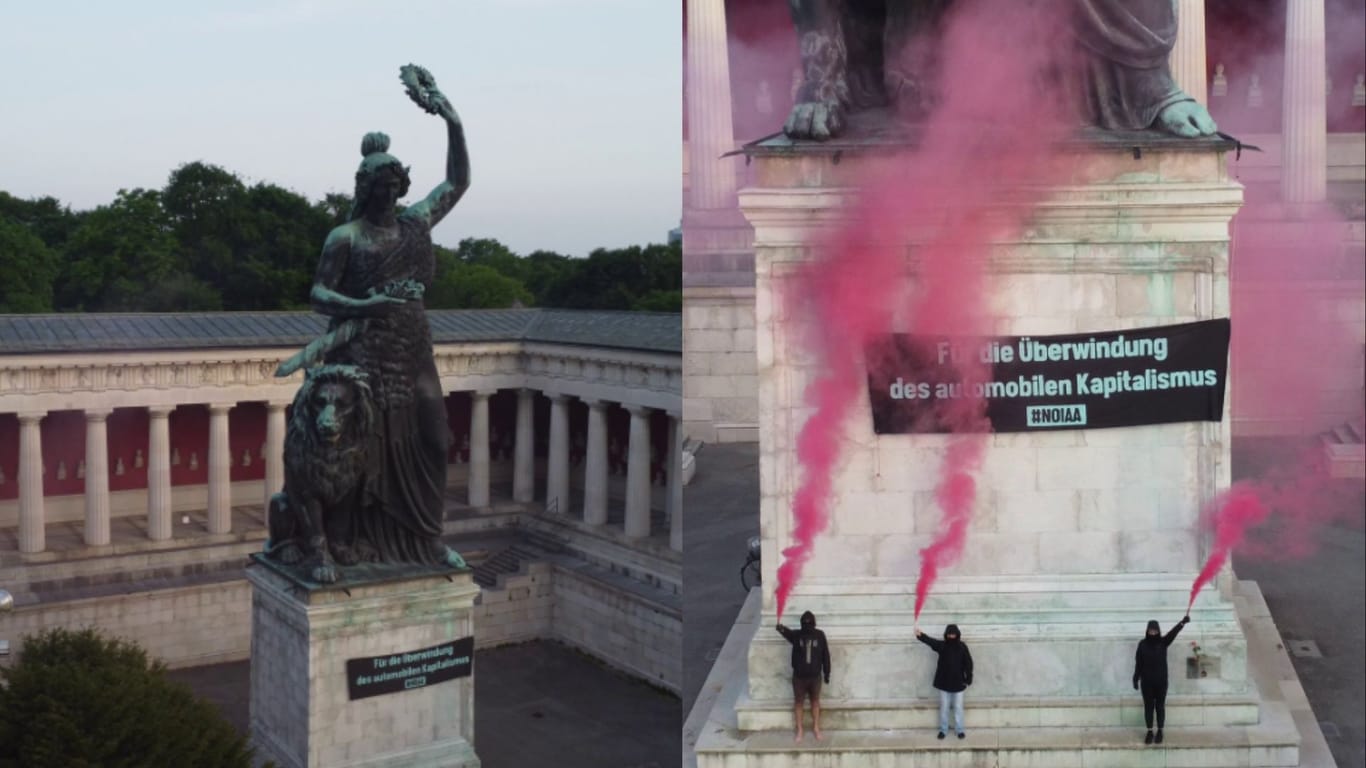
[
  {"x": 524, "y": 451},
  {"x": 711, "y": 132},
  {"x": 638, "y": 474},
  {"x": 595, "y": 465},
  {"x": 1304, "y": 127},
  {"x": 97, "y": 477},
  {"x": 1187, "y": 58},
  {"x": 32, "y": 520},
  {"x": 220, "y": 469},
  {"x": 674, "y": 501},
  {"x": 718, "y": 248},
  {"x": 557, "y": 465},
  {"x": 479, "y": 449},
  {"x": 159, "y": 472},
  {"x": 275, "y": 449}
]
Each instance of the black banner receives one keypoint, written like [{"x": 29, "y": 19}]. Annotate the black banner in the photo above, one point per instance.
[
  {"x": 1156, "y": 375},
  {"x": 414, "y": 669}
]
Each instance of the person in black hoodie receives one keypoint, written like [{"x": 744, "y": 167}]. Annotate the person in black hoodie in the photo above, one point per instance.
[
  {"x": 952, "y": 676},
  {"x": 1150, "y": 674},
  {"x": 810, "y": 664}
]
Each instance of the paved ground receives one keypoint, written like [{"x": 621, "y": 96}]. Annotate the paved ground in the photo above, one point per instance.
[
  {"x": 722, "y": 512},
  {"x": 1322, "y": 598},
  {"x": 538, "y": 703}
]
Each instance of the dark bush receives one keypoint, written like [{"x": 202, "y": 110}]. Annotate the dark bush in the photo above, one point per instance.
[{"x": 83, "y": 700}]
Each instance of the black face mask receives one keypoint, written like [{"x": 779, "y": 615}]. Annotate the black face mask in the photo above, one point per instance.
[{"x": 808, "y": 620}]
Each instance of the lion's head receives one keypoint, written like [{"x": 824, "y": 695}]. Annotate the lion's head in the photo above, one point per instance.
[{"x": 334, "y": 403}]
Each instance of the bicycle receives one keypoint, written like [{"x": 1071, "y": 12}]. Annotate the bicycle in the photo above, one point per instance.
[{"x": 749, "y": 572}]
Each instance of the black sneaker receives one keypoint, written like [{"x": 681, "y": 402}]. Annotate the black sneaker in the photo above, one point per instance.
[
  {"x": 1149, "y": 738},
  {"x": 962, "y": 735},
  {"x": 1158, "y": 740},
  {"x": 941, "y": 734}
]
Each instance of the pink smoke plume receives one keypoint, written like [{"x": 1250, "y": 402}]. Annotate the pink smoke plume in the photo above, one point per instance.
[
  {"x": 1295, "y": 364},
  {"x": 1235, "y": 511},
  {"x": 984, "y": 148}
]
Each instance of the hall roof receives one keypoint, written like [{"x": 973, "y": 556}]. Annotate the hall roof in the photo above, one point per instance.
[{"x": 658, "y": 332}]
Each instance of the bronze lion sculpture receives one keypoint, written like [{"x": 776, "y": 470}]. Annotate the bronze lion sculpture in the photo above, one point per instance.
[{"x": 328, "y": 445}]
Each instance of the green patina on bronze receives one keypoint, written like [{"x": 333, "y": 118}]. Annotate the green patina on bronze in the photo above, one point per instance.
[
  {"x": 366, "y": 446},
  {"x": 883, "y": 54}
]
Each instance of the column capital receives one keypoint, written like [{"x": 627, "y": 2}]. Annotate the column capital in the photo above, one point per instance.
[
  {"x": 558, "y": 397},
  {"x": 224, "y": 407},
  {"x": 594, "y": 403},
  {"x": 637, "y": 410},
  {"x": 97, "y": 414},
  {"x": 483, "y": 394},
  {"x": 31, "y": 416},
  {"x": 527, "y": 392},
  {"x": 160, "y": 411},
  {"x": 278, "y": 405}
]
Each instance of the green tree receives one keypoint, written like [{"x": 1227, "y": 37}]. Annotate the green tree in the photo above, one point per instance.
[
  {"x": 659, "y": 301},
  {"x": 82, "y": 700},
  {"x": 541, "y": 270},
  {"x": 475, "y": 286},
  {"x": 619, "y": 278},
  {"x": 117, "y": 252},
  {"x": 257, "y": 246},
  {"x": 337, "y": 207},
  {"x": 45, "y": 217},
  {"x": 28, "y": 266}
]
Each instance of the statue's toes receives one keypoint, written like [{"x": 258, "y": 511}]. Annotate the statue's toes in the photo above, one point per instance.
[
  {"x": 1179, "y": 124},
  {"x": 344, "y": 555},
  {"x": 325, "y": 574},
  {"x": 798, "y": 125},
  {"x": 454, "y": 560},
  {"x": 820, "y": 123},
  {"x": 1204, "y": 122}
]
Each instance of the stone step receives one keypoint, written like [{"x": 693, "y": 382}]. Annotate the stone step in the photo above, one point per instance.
[
  {"x": 508, "y": 561},
  {"x": 147, "y": 565},
  {"x": 1345, "y": 450},
  {"x": 1013, "y": 712},
  {"x": 1183, "y": 747}
]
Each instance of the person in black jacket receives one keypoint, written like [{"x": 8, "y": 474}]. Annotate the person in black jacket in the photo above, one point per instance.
[
  {"x": 810, "y": 664},
  {"x": 1150, "y": 673},
  {"x": 952, "y": 675}
]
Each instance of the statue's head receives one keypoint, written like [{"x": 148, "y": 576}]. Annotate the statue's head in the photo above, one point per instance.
[{"x": 381, "y": 179}]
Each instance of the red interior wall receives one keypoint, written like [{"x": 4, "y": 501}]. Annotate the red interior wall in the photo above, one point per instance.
[
  {"x": 247, "y": 439},
  {"x": 9, "y": 456},
  {"x": 190, "y": 438},
  {"x": 127, "y": 432}
]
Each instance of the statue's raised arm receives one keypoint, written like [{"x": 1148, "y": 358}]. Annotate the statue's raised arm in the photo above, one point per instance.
[{"x": 421, "y": 87}]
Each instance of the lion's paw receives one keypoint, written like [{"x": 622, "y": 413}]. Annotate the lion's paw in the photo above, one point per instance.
[
  {"x": 287, "y": 553},
  {"x": 325, "y": 573},
  {"x": 344, "y": 555}
]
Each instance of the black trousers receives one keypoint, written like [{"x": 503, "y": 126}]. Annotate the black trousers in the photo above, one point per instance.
[{"x": 1154, "y": 700}]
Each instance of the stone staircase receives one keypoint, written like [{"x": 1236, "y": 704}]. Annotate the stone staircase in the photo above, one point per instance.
[
  {"x": 127, "y": 571},
  {"x": 508, "y": 561},
  {"x": 1250, "y": 727},
  {"x": 1344, "y": 448}
]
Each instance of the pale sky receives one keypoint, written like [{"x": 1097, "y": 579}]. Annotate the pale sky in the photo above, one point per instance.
[{"x": 571, "y": 107}]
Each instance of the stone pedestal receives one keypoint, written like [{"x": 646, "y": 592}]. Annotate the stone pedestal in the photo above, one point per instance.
[
  {"x": 302, "y": 711},
  {"x": 1078, "y": 537}
]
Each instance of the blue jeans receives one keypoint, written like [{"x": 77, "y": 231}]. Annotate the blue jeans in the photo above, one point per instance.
[{"x": 955, "y": 699}]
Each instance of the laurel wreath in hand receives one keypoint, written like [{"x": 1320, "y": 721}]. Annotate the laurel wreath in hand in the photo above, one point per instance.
[{"x": 421, "y": 88}]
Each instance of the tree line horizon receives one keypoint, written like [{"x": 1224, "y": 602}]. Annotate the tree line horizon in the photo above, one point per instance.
[{"x": 208, "y": 241}]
